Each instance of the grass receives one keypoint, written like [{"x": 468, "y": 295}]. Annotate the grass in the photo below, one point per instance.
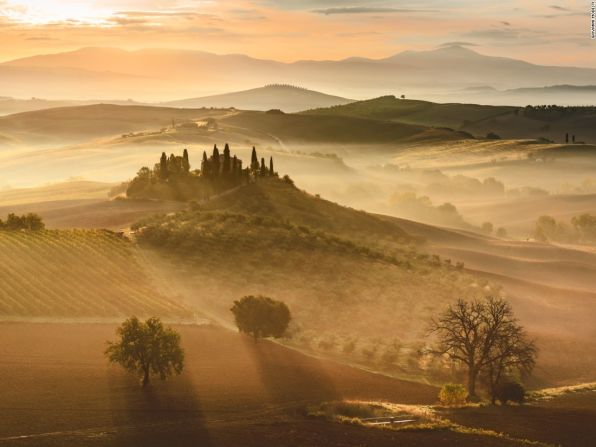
[
  {"x": 76, "y": 273},
  {"x": 424, "y": 419}
]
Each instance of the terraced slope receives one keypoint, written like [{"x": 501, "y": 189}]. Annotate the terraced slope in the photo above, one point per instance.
[{"x": 83, "y": 274}]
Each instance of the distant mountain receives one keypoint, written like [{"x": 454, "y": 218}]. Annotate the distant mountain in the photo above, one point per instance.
[
  {"x": 160, "y": 74},
  {"x": 284, "y": 97}
]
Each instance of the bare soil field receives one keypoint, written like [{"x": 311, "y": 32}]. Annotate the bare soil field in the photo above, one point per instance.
[
  {"x": 57, "y": 390},
  {"x": 567, "y": 420}
]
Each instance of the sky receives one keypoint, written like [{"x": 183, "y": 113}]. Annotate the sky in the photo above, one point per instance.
[{"x": 288, "y": 30}]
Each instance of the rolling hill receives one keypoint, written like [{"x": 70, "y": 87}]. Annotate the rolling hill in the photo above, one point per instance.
[
  {"x": 67, "y": 125},
  {"x": 76, "y": 274},
  {"x": 506, "y": 121},
  {"x": 64, "y": 125},
  {"x": 284, "y": 97}
]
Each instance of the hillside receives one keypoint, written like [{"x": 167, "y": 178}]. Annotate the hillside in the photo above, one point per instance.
[
  {"x": 63, "y": 125},
  {"x": 423, "y": 113},
  {"x": 284, "y": 97},
  {"x": 328, "y": 263},
  {"x": 307, "y": 128},
  {"x": 75, "y": 274},
  {"x": 506, "y": 121}
]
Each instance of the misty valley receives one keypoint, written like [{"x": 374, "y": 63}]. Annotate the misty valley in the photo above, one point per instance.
[{"x": 208, "y": 249}]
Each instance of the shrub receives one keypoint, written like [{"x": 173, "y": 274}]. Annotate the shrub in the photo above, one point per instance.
[
  {"x": 511, "y": 391},
  {"x": 453, "y": 394}
]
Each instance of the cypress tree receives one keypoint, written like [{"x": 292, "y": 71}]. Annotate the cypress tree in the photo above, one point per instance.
[
  {"x": 226, "y": 160},
  {"x": 567, "y": 138},
  {"x": 185, "y": 161},
  {"x": 254, "y": 161},
  {"x": 215, "y": 162},
  {"x": 205, "y": 165},
  {"x": 271, "y": 171},
  {"x": 263, "y": 167},
  {"x": 163, "y": 166}
]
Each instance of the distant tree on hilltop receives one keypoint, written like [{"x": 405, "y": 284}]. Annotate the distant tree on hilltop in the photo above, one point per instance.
[{"x": 30, "y": 221}]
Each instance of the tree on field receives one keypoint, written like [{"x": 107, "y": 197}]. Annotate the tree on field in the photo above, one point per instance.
[
  {"x": 30, "y": 221},
  {"x": 485, "y": 337},
  {"x": 487, "y": 227},
  {"x": 452, "y": 394},
  {"x": 263, "y": 170},
  {"x": 147, "y": 348},
  {"x": 261, "y": 316},
  {"x": 271, "y": 170}
]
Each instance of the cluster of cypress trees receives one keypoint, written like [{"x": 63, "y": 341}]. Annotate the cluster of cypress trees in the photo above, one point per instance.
[{"x": 172, "y": 177}]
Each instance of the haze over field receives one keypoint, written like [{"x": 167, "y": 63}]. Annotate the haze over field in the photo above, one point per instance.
[{"x": 318, "y": 222}]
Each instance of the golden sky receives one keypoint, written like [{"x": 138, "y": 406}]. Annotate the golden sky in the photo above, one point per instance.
[{"x": 288, "y": 30}]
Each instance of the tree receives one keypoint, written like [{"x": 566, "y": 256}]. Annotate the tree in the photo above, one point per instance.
[
  {"x": 271, "y": 171},
  {"x": 501, "y": 233},
  {"x": 484, "y": 336},
  {"x": 226, "y": 160},
  {"x": 453, "y": 394},
  {"x": 487, "y": 227},
  {"x": 215, "y": 162},
  {"x": 261, "y": 316},
  {"x": 147, "y": 348},
  {"x": 163, "y": 166},
  {"x": 185, "y": 161},
  {"x": 511, "y": 391},
  {"x": 263, "y": 167},
  {"x": 205, "y": 165},
  {"x": 254, "y": 161}
]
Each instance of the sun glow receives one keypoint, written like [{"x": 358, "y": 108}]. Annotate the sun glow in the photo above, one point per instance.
[{"x": 43, "y": 12}]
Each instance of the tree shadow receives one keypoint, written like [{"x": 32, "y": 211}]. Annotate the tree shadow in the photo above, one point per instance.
[
  {"x": 289, "y": 377},
  {"x": 166, "y": 413}
]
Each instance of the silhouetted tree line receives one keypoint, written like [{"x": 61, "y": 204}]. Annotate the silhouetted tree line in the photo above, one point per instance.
[
  {"x": 172, "y": 178},
  {"x": 553, "y": 112},
  {"x": 30, "y": 221}
]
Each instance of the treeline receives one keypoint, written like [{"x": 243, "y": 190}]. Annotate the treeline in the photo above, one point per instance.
[
  {"x": 173, "y": 179},
  {"x": 552, "y": 112},
  {"x": 581, "y": 229},
  {"x": 30, "y": 221}
]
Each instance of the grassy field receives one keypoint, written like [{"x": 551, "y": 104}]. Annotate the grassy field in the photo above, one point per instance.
[
  {"x": 76, "y": 274},
  {"x": 57, "y": 389}
]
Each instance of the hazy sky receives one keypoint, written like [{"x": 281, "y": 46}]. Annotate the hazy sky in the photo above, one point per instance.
[{"x": 538, "y": 31}]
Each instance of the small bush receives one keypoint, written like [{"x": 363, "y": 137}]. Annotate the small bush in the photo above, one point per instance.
[
  {"x": 453, "y": 394},
  {"x": 511, "y": 392}
]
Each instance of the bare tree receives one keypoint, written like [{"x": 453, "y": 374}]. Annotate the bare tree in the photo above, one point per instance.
[{"x": 484, "y": 336}]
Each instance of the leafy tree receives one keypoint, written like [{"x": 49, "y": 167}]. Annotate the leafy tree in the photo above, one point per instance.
[
  {"x": 487, "y": 227},
  {"x": 261, "y": 316},
  {"x": 512, "y": 391},
  {"x": 453, "y": 394},
  {"x": 30, "y": 221},
  {"x": 147, "y": 348},
  {"x": 484, "y": 336},
  {"x": 501, "y": 233}
]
